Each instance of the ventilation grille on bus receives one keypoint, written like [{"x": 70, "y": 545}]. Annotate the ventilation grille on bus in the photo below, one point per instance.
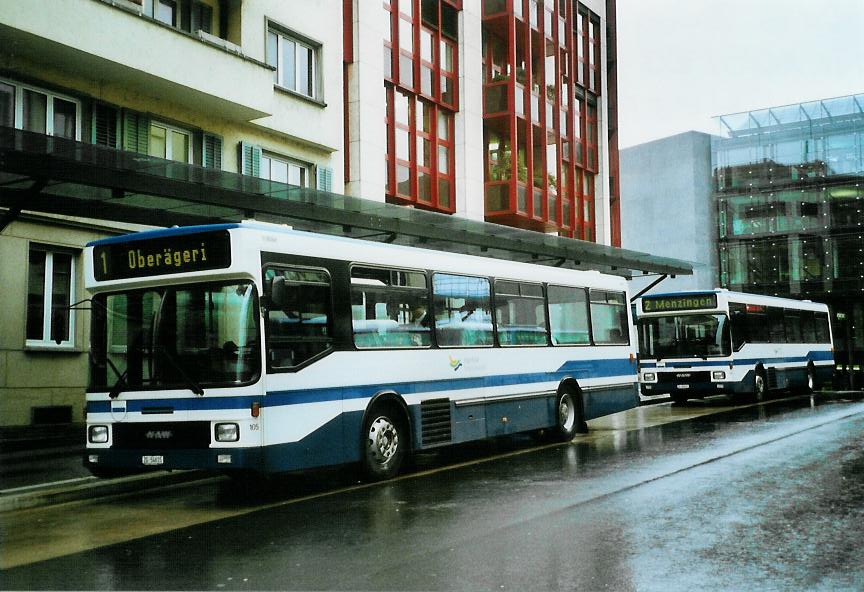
[
  {"x": 435, "y": 421},
  {"x": 772, "y": 378}
]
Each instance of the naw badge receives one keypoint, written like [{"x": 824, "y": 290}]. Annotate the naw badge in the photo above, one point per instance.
[{"x": 455, "y": 364}]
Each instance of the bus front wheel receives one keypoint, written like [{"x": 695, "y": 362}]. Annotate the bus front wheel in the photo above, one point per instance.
[{"x": 385, "y": 442}]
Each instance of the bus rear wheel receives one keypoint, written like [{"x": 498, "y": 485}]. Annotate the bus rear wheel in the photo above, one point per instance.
[
  {"x": 569, "y": 419},
  {"x": 385, "y": 442},
  {"x": 810, "y": 385},
  {"x": 759, "y": 386}
]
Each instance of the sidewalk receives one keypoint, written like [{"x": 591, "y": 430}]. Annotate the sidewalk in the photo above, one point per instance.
[{"x": 44, "y": 466}]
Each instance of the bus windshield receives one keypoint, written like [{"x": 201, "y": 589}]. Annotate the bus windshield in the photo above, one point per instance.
[
  {"x": 684, "y": 336},
  {"x": 188, "y": 337}
]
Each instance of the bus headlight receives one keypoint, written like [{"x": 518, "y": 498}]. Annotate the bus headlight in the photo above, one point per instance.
[
  {"x": 718, "y": 375},
  {"x": 97, "y": 434},
  {"x": 227, "y": 432},
  {"x": 649, "y": 377}
]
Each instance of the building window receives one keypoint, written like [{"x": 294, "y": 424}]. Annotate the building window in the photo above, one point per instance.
[
  {"x": 296, "y": 63},
  {"x": 50, "y": 292},
  {"x": 187, "y": 15},
  {"x": 420, "y": 155},
  {"x": 285, "y": 170},
  {"x": 170, "y": 143},
  {"x": 39, "y": 111}
]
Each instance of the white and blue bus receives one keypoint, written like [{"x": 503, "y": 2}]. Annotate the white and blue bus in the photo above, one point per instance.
[
  {"x": 252, "y": 346},
  {"x": 694, "y": 344}
]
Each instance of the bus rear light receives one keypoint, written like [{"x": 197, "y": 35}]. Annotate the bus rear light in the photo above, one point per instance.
[
  {"x": 256, "y": 409},
  {"x": 227, "y": 432},
  {"x": 97, "y": 434}
]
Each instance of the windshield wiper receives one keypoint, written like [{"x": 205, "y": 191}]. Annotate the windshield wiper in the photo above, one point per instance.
[
  {"x": 121, "y": 384},
  {"x": 190, "y": 383}
]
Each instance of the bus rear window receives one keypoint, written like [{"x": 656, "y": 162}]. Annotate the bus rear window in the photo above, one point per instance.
[{"x": 609, "y": 318}]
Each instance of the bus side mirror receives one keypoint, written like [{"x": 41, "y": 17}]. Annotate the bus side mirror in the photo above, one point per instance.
[{"x": 278, "y": 293}]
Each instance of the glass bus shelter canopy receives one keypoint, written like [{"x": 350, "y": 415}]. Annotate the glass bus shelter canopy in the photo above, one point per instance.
[{"x": 39, "y": 173}]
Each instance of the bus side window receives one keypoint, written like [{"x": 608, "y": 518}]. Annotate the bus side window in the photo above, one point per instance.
[
  {"x": 389, "y": 308},
  {"x": 823, "y": 331},
  {"x": 520, "y": 314},
  {"x": 740, "y": 325},
  {"x": 298, "y": 315},
  {"x": 776, "y": 329},
  {"x": 792, "y": 321},
  {"x": 568, "y": 315},
  {"x": 808, "y": 326},
  {"x": 609, "y": 318},
  {"x": 463, "y": 310}
]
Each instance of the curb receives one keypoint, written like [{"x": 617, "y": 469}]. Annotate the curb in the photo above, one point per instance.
[{"x": 91, "y": 487}]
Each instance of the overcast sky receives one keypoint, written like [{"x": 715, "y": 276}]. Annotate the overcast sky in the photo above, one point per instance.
[{"x": 681, "y": 62}]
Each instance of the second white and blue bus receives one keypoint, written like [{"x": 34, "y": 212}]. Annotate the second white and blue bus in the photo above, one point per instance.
[
  {"x": 700, "y": 343},
  {"x": 255, "y": 347}
]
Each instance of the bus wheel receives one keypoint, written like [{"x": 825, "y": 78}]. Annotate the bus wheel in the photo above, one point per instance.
[
  {"x": 810, "y": 385},
  {"x": 568, "y": 418},
  {"x": 385, "y": 440},
  {"x": 759, "y": 386}
]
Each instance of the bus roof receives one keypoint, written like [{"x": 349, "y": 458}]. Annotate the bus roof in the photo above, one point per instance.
[{"x": 307, "y": 243}]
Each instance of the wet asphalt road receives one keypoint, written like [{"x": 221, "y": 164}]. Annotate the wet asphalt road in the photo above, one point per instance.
[{"x": 767, "y": 497}]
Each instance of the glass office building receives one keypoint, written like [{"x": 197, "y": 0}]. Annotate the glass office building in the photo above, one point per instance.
[{"x": 789, "y": 192}]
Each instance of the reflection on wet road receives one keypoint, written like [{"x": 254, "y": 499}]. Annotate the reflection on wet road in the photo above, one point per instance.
[{"x": 664, "y": 497}]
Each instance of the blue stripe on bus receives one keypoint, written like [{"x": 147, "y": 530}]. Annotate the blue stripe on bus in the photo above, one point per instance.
[
  {"x": 814, "y": 356},
  {"x": 575, "y": 368},
  {"x": 162, "y": 232}
]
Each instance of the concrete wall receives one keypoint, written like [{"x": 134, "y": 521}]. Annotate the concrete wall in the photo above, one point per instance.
[{"x": 667, "y": 209}]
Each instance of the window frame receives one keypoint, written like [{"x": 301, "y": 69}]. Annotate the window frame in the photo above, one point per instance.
[
  {"x": 18, "y": 107},
  {"x": 498, "y": 299},
  {"x": 282, "y": 33},
  {"x": 169, "y": 146},
  {"x": 306, "y": 167},
  {"x": 585, "y": 291},
  {"x": 46, "y": 343},
  {"x": 426, "y": 291},
  {"x": 434, "y": 308},
  {"x": 626, "y": 309},
  {"x": 269, "y": 367}
]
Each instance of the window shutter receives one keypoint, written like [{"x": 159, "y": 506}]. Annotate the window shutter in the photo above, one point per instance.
[
  {"x": 136, "y": 132},
  {"x": 324, "y": 178},
  {"x": 104, "y": 126},
  {"x": 212, "y": 158},
  {"x": 250, "y": 159}
]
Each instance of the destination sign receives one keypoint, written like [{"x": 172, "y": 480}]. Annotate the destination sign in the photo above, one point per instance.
[
  {"x": 676, "y": 303},
  {"x": 159, "y": 256}
]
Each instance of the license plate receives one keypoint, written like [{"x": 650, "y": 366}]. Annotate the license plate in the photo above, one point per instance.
[
  {"x": 683, "y": 386},
  {"x": 152, "y": 460}
]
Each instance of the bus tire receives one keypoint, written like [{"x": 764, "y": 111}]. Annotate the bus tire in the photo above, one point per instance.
[
  {"x": 760, "y": 385},
  {"x": 810, "y": 384},
  {"x": 385, "y": 442},
  {"x": 569, "y": 418}
]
